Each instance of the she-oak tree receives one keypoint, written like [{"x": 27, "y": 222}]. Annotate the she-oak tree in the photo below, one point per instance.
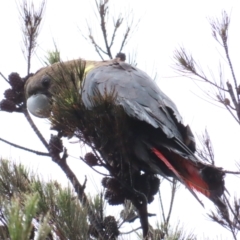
[{"x": 98, "y": 225}]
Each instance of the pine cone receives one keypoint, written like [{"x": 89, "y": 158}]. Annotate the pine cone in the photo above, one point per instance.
[
  {"x": 91, "y": 159},
  {"x": 142, "y": 183},
  {"x": 122, "y": 56},
  {"x": 111, "y": 227},
  {"x": 148, "y": 185},
  {"x": 14, "y": 96},
  {"x": 15, "y": 81},
  {"x": 111, "y": 184},
  {"x": 154, "y": 185},
  {"x": 104, "y": 181},
  {"x": 226, "y": 102},
  {"x": 7, "y": 106},
  {"x": 55, "y": 146},
  {"x": 113, "y": 198},
  {"x": 10, "y": 94},
  {"x": 150, "y": 198}
]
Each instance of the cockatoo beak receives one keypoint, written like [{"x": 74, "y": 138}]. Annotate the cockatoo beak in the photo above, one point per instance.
[{"x": 39, "y": 105}]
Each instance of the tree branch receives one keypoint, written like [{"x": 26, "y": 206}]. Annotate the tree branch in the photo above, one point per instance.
[
  {"x": 116, "y": 26},
  {"x": 4, "y": 77},
  {"x": 174, "y": 188},
  {"x": 35, "y": 129},
  {"x": 24, "y": 148},
  {"x": 55, "y": 147},
  {"x": 103, "y": 11},
  {"x": 31, "y": 21}
]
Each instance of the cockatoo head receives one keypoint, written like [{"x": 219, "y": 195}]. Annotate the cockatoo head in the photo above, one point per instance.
[{"x": 38, "y": 92}]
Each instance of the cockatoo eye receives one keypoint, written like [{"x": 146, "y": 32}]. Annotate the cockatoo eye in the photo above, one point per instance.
[
  {"x": 39, "y": 105},
  {"x": 46, "y": 81}
]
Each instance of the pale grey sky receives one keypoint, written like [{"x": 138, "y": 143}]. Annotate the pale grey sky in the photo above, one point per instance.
[{"x": 164, "y": 26}]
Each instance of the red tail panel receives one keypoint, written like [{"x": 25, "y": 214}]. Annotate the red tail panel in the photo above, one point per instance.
[
  {"x": 168, "y": 164},
  {"x": 189, "y": 173}
]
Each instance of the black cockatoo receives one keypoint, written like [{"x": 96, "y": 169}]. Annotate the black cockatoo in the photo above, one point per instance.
[{"x": 158, "y": 142}]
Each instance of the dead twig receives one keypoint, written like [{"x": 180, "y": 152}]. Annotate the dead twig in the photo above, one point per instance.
[
  {"x": 31, "y": 22},
  {"x": 102, "y": 15}
]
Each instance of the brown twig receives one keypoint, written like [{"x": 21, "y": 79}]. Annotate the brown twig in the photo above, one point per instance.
[
  {"x": 174, "y": 188},
  {"x": 223, "y": 217},
  {"x": 224, "y": 36},
  {"x": 4, "y": 77},
  {"x": 124, "y": 39},
  {"x": 103, "y": 174},
  {"x": 231, "y": 209},
  {"x": 231, "y": 227},
  {"x": 206, "y": 153},
  {"x": 24, "y": 148},
  {"x": 117, "y": 24},
  {"x": 97, "y": 47},
  {"x": 231, "y": 172},
  {"x": 186, "y": 64},
  {"x": 235, "y": 102},
  {"x": 220, "y": 29},
  {"x": 227, "y": 107},
  {"x": 103, "y": 11},
  {"x": 31, "y": 21},
  {"x": 134, "y": 230},
  {"x": 35, "y": 129},
  {"x": 232, "y": 95},
  {"x": 161, "y": 204}
]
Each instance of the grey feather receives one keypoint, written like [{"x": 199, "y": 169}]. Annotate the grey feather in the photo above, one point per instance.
[{"x": 140, "y": 97}]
